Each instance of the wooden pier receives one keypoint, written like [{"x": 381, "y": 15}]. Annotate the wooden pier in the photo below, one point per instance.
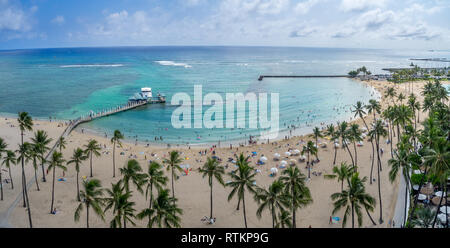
[{"x": 298, "y": 76}]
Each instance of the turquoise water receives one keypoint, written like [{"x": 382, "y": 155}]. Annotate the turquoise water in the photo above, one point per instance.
[{"x": 66, "y": 83}]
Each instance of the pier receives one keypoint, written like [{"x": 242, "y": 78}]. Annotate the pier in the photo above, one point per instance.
[{"x": 298, "y": 76}]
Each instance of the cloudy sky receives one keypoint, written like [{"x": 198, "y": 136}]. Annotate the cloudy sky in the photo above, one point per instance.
[{"x": 311, "y": 23}]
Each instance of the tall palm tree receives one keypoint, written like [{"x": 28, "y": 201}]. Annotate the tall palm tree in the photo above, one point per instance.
[
  {"x": 212, "y": 169},
  {"x": 284, "y": 220},
  {"x": 296, "y": 187},
  {"x": 309, "y": 149},
  {"x": 317, "y": 133},
  {"x": 42, "y": 140},
  {"x": 155, "y": 177},
  {"x": 402, "y": 161},
  {"x": 91, "y": 196},
  {"x": 77, "y": 158},
  {"x": 121, "y": 205},
  {"x": 132, "y": 172},
  {"x": 344, "y": 134},
  {"x": 342, "y": 173},
  {"x": 164, "y": 212},
  {"x": 117, "y": 137},
  {"x": 401, "y": 97},
  {"x": 61, "y": 143},
  {"x": 438, "y": 157},
  {"x": 34, "y": 155},
  {"x": 360, "y": 112},
  {"x": 390, "y": 93},
  {"x": 25, "y": 124},
  {"x": 242, "y": 179},
  {"x": 378, "y": 131},
  {"x": 9, "y": 160},
  {"x": 3, "y": 147},
  {"x": 374, "y": 108},
  {"x": 403, "y": 115},
  {"x": 92, "y": 148},
  {"x": 56, "y": 162},
  {"x": 355, "y": 135},
  {"x": 353, "y": 199},
  {"x": 173, "y": 163},
  {"x": 334, "y": 135},
  {"x": 273, "y": 198}
]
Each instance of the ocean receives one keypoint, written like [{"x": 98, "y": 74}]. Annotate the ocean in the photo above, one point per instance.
[{"x": 66, "y": 83}]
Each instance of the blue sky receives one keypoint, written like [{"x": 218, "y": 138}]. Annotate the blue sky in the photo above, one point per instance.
[{"x": 409, "y": 24}]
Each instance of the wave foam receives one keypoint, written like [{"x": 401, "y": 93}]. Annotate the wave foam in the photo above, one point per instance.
[
  {"x": 96, "y": 65},
  {"x": 171, "y": 63}
]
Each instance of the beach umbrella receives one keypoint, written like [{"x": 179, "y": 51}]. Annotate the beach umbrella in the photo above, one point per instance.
[
  {"x": 421, "y": 197},
  {"x": 427, "y": 190},
  {"x": 417, "y": 172},
  {"x": 287, "y": 154},
  {"x": 292, "y": 161},
  {"x": 263, "y": 159},
  {"x": 274, "y": 170},
  {"x": 283, "y": 163},
  {"x": 296, "y": 151},
  {"x": 336, "y": 145},
  {"x": 443, "y": 208},
  {"x": 276, "y": 156},
  {"x": 302, "y": 158},
  {"x": 438, "y": 193},
  {"x": 416, "y": 187}
]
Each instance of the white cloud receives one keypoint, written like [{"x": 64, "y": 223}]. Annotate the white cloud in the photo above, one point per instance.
[
  {"x": 360, "y": 5},
  {"x": 304, "y": 6},
  {"x": 59, "y": 20}
]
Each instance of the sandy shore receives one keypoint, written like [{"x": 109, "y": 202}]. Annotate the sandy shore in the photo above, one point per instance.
[{"x": 192, "y": 190}]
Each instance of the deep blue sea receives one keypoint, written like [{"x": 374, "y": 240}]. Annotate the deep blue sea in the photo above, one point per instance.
[{"x": 66, "y": 83}]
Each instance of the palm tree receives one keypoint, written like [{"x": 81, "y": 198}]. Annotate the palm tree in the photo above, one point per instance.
[
  {"x": 77, "y": 158},
  {"x": 296, "y": 187},
  {"x": 344, "y": 134},
  {"x": 309, "y": 149},
  {"x": 116, "y": 140},
  {"x": 132, "y": 171},
  {"x": 332, "y": 132},
  {"x": 403, "y": 115},
  {"x": 61, "y": 143},
  {"x": 91, "y": 197},
  {"x": 92, "y": 148},
  {"x": 155, "y": 177},
  {"x": 317, "y": 134},
  {"x": 121, "y": 205},
  {"x": 42, "y": 141},
  {"x": 353, "y": 199},
  {"x": 9, "y": 160},
  {"x": 377, "y": 131},
  {"x": 342, "y": 173},
  {"x": 359, "y": 111},
  {"x": 424, "y": 218},
  {"x": 56, "y": 162},
  {"x": 390, "y": 93},
  {"x": 3, "y": 146},
  {"x": 373, "y": 107},
  {"x": 403, "y": 161},
  {"x": 273, "y": 198},
  {"x": 173, "y": 163},
  {"x": 212, "y": 169},
  {"x": 401, "y": 97},
  {"x": 25, "y": 123},
  {"x": 34, "y": 155},
  {"x": 241, "y": 179},
  {"x": 355, "y": 135},
  {"x": 164, "y": 212}
]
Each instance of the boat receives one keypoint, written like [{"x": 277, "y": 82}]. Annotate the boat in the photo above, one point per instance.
[{"x": 146, "y": 96}]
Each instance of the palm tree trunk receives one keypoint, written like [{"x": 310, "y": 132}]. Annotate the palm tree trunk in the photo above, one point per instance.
[
  {"x": 370, "y": 217},
  {"x": 349, "y": 152},
  {"x": 356, "y": 156},
  {"x": 25, "y": 192},
  {"x": 391, "y": 139},
  {"x": 406, "y": 199},
  {"x": 294, "y": 223},
  {"x": 379, "y": 179},
  {"x": 1, "y": 184},
  {"x": 53, "y": 190},
  {"x": 273, "y": 216},
  {"x": 43, "y": 172},
  {"x": 309, "y": 167},
  {"x": 114, "y": 159},
  {"x": 353, "y": 216},
  {"x": 35, "y": 179},
  {"x": 335, "y": 154},
  {"x": 87, "y": 215},
  {"x": 211, "y": 200},
  {"x": 151, "y": 195},
  {"x": 243, "y": 207},
  {"x": 173, "y": 188},
  {"x": 91, "y": 163},
  {"x": 78, "y": 188},
  {"x": 10, "y": 178},
  {"x": 373, "y": 159}
]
